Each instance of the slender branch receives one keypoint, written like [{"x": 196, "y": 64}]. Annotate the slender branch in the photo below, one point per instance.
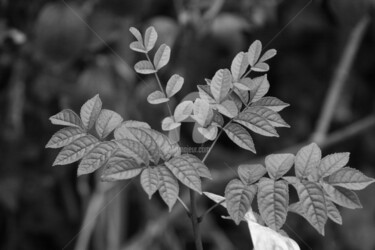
[
  {"x": 339, "y": 79},
  {"x": 209, "y": 210}
]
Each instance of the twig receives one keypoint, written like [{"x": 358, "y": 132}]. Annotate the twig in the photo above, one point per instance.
[{"x": 339, "y": 79}]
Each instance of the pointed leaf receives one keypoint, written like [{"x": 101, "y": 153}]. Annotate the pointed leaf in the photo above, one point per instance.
[
  {"x": 199, "y": 166},
  {"x": 239, "y": 66},
  {"x": 254, "y": 51},
  {"x": 150, "y": 181},
  {"x": 67, "y": 117},
  {"x": 65, "y": 136},
  {"x": 185, "y": 172},
  {"x": 136, "y": 34},
  {"x": 259, "y": 87},
  {"x": 144, "y": 67},
  {"x": 307, "y": 159},
  {"x": 268, "y": 55},
  {"x": 174, "y": 85},
  {"x": 76, "y": 150},
  {"x": 250, "y": 173},
  {"x": 240, "y": 136},
  {"x": 96, "y": 158},
  {"x": 157, "y": 97},
  {"x": 332, "y": 163},
  {"x": 228, "y": 108},
  {"x": 273, "y": 201},
  {"x": 162, "y": 56},
  {"x": 169, "y": 123},
  {"x": 138, "y": 47},
  {"x": 107, "y": 121},
  {"x": 183, "y": 111},
  {"x": 350, "y": 178},
  {"x": 150, "y": 38},
  {"x": 120, "y": 167},
  {"x": 221, "y": 84},
  {"x": 261, "y": 67},
  {"x": 90, "y": 111},
  {"x": 168, "y": 188},
  {"x": 238, "y": 197},
  {"x": 133, "y": 149},
  {"x": 342, "y": 196},
  {"x": 271, "y": 103},
  {"x": 256, "y": 123},
  {"x": 333, "y": 213},
  {"x": 279, "y": 164},
  {"x": 271, "y": 116}
]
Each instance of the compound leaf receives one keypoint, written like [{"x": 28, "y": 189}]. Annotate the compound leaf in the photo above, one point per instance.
[
  {"x": 76, "y": 150},
  {"x": 250, "y": 173},
  {"x": 150, "y": 181},
  {"x": 96, "y": 158},
  {"x": 238, "y": 197},
  {"x": 90, "y": 111},
  {"x": 221, "y": 84},
  {"x": 342, "y": 196},
  {"x": 350, "y": 178},
  {"x": 240, "y": 136},
  {"x": 107, "y": 121},
  {"x": 65, "y": 136},
  {"x": 168, "y": 186},
  {"x": 331, "y": 163},
  {"x": 273, "y": 201},
  {"x": 67, "y": 117},
  {"x": 120, "y": 167},
  {"x": 254, "y": 51},
  {"x": 278, "y": 164},
  {"x": 270, "y": 102},
  {"x": 162, "y": 56},
  {"x": 259, "y": 87},
  {"x": 307, "y": 159},
  {"x": 144, "y": 67},
  {"x": 174, "y": 85},
  {"x": 150, "y": 38},
  {"x": 239, "y": 66},
  {"x": 157, "y": 97}
]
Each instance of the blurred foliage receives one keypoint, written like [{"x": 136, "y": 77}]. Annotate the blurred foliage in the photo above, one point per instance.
[{"x": 57, "y": 54}]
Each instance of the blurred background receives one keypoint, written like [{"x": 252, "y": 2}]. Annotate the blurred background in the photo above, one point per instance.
[{"x": 57, "y": 54}]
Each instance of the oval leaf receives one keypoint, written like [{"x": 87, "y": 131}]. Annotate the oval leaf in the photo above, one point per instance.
[
  {"x": 254, "y": 51},
  {"x": 256, "y": 123},
  {"x": 174, "y": 85},
  {"x": 332, "y": 163},
  {"x": 250, "y": 173},
  {"x": 342, "y": 196},
  {"x": 278, "y": 164},
  {"x": 107, "y": 121},
  {"x": 162, "y": 56},
  {"x": 259, "y": 87},
  {"x": 228, "y": 108},
  {"x": 199, "y": 166},
  {"x": 150, "y": 181},
  {"x": 260, "y": 67},
  {"x": 136, "y": 34},
  {"x": 350, "y": 178},
  {"x": 150, "y": 38},
  {"x": 120, "y": 167},
  {"x": 169, "y": 123},
  {"x": 221, "y": 84},
  {"x": 65, "y": 136},
  {"x": 240, "y": 136},
  {"x": 239, "y": 66},
  {"x": 307, "y": 159},
  {"x": 157, "y": 97},
  {"x": 144, "y": 67},
  {"x": 168, "y": 188},
  {"x": 138, "y": 47},
  {"x": 90, "y": 111},
  {"x": 133, "y": 149},
  {"x": 333, "y": 213},
  {"x": 268, "y": 55},
  {"x": 67, "y": 117},
  {"x": 271, "y": 116},
  {"x": 270, "y": 102},
  {"x": 183, "y": 111}
]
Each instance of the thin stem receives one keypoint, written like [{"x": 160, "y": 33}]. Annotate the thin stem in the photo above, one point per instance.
[
  {"x": 195, "y": 221},
  {"x": 200, "y": 219},
  {"x": 184, "y": 205}
]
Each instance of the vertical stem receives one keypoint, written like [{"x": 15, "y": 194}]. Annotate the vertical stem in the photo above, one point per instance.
[{"x": 195, "y": 222}]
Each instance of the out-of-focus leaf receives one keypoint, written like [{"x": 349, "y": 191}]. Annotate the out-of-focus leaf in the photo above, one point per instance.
[
  {"x": 250, "y": 173},
  {"x": 157, "y": 97},
  {"x": 240, "y": 136},
  {"x": 150, "y": 181},
  {"x": 67, "y": 117},
  {"x": 65, "y": 136},
  {"x": 307, "y": 159},
  {"x": 144, "y": 67},
  {"x": 90, "y": 111},
  {"x": 174, "y": 85},
  {"x": 278, "y": 164},
  {"x": 107, "y": 121},
  {"x": 350, "y": 178},
  {"x": 221, "y": 84},
  {"x": 168, "y": 188},
  {"x": 162, "y": 56},
  {"x": 272, "y": 103}
]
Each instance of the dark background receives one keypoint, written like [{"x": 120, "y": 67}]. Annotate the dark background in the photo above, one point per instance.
[{"x": 56, "y": 54}]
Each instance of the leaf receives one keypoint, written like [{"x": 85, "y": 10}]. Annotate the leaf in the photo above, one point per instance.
[
  {"x": 332, "y": 163},
  {"x": 120, "y": 167},
  {"x": 174, "y": 85},
  {"x": 239, "y": 66},
  {"x": 268, "y": 55},
  {"x": 96, "y": 158},
  {"x": 312, "y": 203},
  {"x": 90, "y": 111},
  {"x": 216, "y": 198},
  {"x": 65, "y": 136},
  {"x": 333, "y": 213},
  {"x": 183, "y": 111},
  {"x": 221, "y": 84},
  {"x": 76, "y": 150},
  {"x": 250, "y": 173},
  {"x": 186, "y": 172},
  {"x": 133, "y": 149},
  {"x": 243, "y": 95},
  {"x": 144, "y": 67},
  {"x": 228, "y": 108},
  {"x": 136, "y": 34},
  {"x": 199, "y": 166},
  {"x": 240, "y": 136},
  {"x": 260, "y": 67},
  {"x": 342, "y": 196},
  {"x": 150, "y": 38},
  {"x": 271, "y": 116},
  {"x": 169, "y": 123},
  {"x": 254, "y": 51},
  {"x": 205, "y": 94},
  {"x": 259, "y": 87},
  {"x": 350, "y": 178},
  {"x": 217, "y": 119},
  {"x": 256, "y": 123},
  {"x": 67, "y": 117},
  {"x": 107, "y": 121},
  {"x": 271, "y": 103},
  {"x": 278, "y": 164},
  {"x": 157, "y": 97},
  {"x": 209, "y": 133},
  {"x": 138, "y": 47},
  {"x": 136, "y": 124},
  {"x": 273, "y": 201},
  {"x": 241, "y": 86},
  {"x": 168, "y": 188},
  {"x": 167, "y": 148},
  {"x": 162, "y": 56},
  {"x": 150, "y": 181},
  {"x": 239, "y": 197},
  {"x": 307, "y": 159},
  {"x": 202, "y": 112}
]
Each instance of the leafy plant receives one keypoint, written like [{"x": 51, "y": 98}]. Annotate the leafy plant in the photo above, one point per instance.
[{"x": 230, "y": 102}]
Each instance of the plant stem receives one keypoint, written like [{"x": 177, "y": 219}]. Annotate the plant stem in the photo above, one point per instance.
[
  {"x": 184, "y": 205},
  {"x": 195, "y": 221}
]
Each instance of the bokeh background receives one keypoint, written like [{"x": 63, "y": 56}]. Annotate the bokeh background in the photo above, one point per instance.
[{"x": 57, "y": 54}]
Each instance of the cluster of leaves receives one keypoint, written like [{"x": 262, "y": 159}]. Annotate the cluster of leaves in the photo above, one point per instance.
[
  {"x": 135, "y": 149},
  {"x": 230, "y": 93},
  {"x": 320, "y": 183}
]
